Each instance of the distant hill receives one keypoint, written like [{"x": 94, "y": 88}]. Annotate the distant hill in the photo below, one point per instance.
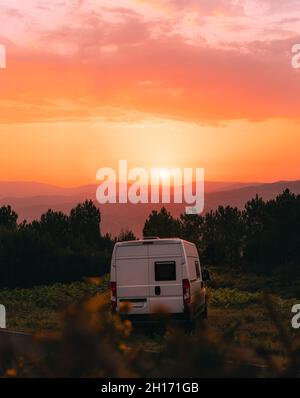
[
  {"x": 116, "y": 217},
  {"x": 238, "y": 197},
  {"x": 28, "y": 189}
]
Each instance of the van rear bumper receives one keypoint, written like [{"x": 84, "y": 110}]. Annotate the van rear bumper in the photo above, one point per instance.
[{"x": 156, "y": 318}]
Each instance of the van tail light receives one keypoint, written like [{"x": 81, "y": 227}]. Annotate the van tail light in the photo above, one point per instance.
[
  {"x": 186, "y": 291},
  {"x": 113, "y": 295}
]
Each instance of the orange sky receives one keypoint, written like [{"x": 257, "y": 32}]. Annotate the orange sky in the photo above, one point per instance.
[{"x": 170, "y": 84}]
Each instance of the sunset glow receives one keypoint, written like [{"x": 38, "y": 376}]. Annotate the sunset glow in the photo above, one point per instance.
[{"x": 162, "y": 84}]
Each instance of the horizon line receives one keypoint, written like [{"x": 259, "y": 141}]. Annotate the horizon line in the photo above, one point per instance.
[{"x": 84, "y": 184}]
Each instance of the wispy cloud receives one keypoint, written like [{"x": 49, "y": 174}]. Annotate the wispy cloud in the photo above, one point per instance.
[{"x": 202, "y": 61}]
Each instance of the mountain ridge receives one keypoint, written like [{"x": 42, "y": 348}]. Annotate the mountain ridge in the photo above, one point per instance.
[{"x": 118, "y": 216}]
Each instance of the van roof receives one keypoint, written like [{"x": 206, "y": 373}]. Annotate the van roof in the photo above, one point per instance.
[{"x": 153, "y": 241}]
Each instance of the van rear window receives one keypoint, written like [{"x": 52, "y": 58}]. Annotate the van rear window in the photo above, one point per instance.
[{"x": 165, "y": 271}]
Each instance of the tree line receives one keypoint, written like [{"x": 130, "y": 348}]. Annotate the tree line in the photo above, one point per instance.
[
  {"x": 57, "y": 248},
  {"x": 263, "y": 238}
]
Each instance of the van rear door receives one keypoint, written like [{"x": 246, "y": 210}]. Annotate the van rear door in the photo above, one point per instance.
[
  {"x": 132, "y": 276},
  {"x": 165, "y": 277}
]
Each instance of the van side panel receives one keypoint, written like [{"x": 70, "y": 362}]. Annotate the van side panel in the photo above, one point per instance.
[
  {"x": 198, "y": 290},
  {"x": 165, "y": 277}
]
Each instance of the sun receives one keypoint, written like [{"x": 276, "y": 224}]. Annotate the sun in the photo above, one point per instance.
[{"x": 164, "y": 174}]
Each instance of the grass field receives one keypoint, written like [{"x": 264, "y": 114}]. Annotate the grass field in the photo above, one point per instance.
[
  {"x": 237, "y": 311},
  {"x": 41, "y": 308}
]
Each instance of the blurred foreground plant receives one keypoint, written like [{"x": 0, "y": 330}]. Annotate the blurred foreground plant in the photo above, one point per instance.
[{"x": 95, "y": 343}]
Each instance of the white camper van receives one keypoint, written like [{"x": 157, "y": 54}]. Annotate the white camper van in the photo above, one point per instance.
[{"x": 155, "y": 274}]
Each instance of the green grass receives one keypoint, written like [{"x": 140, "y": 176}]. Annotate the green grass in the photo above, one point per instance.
[
  {"x": 40, "y": 308},
  {"x": 240, "y": 333},
  {"x": 232, "y": 298},
  {"x": 283, "y": 284},
  {"x": 236, "y": 310}
]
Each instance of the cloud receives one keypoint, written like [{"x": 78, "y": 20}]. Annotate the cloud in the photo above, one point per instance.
[
  {"x": 87, "y": 59},
  {"x": 188, "y": 82}
]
